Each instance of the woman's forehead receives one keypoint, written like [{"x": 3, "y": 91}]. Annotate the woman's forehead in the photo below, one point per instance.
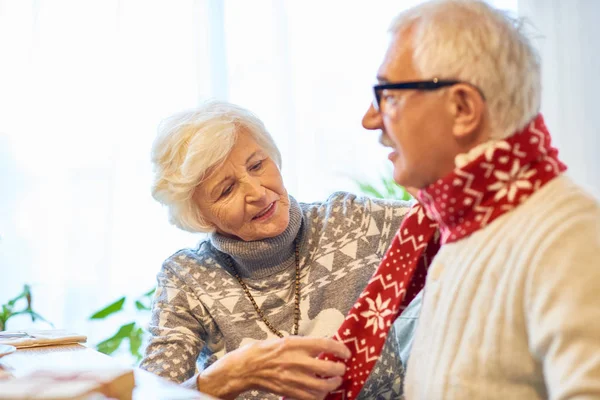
[{"x": 245, "y": 150}]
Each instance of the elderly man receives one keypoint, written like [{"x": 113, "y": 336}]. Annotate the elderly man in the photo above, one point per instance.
[{"x": 511, "y": 307}]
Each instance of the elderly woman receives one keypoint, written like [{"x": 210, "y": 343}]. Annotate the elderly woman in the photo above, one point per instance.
[{"x": 254, "y": 303}]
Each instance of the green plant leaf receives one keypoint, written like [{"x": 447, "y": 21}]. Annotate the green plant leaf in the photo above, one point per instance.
[
  {"x": 141, "y": 306},
  {"x": 130, "y": 332},
  {"x": 12, "y": 302},
  {"x": 390, "y": 187},
  {"x": 8, "y": 309},
  {"x": 27, "y": 292},
  {"x": 33, "y": 316},
  {"x": 369, "y": 189},
  {"x": 394, "y": 190},
  {"x": 4, "y": 316},
  {"x": 110, "y": 309},
  {"x": 125, "y": 330},
  {"x": 111, "y": 344},
  {"x": 135, "y": 342},
  {"x": 144, "y": 302},
  {"x": 6, "y": 312}
]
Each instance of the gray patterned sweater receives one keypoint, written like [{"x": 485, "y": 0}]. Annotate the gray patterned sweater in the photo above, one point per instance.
[{"x": 200, "y": 312}]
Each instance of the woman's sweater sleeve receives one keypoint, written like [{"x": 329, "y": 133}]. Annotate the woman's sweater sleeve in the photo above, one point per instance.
[{"x": 176, "y": 331}]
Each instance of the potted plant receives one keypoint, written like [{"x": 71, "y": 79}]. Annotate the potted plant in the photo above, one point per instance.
[{"x": 20, "y": 305}]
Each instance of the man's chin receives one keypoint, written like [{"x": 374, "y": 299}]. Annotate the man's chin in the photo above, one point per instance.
[{"x": 400, "y": 176}]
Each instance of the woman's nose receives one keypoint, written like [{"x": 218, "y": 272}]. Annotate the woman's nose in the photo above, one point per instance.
[
  {"x": 255, "y": 191},
  {"x": 372, "y": 119}
]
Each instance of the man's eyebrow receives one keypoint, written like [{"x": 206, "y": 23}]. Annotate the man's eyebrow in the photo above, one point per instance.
[{"x": 382, "y": 79}]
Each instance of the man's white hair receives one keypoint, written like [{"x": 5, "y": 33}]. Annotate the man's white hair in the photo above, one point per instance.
[
  {"x": 470, "y": 41},
  {"x": 190, "y": 145}
]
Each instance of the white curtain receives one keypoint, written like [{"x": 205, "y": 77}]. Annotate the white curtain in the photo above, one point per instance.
[
  {"x": 567, "y": 34},
  {"x": 83, "y": 85}
]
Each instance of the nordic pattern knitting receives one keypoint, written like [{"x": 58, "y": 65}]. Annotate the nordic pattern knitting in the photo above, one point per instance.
[{"x": 200, "y": 312}]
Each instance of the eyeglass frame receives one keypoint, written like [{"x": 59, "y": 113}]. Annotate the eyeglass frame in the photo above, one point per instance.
[{"x": 429, "y": 85}]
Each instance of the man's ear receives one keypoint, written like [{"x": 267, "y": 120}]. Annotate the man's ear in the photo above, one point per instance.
[{"x": 467, "y": 107}]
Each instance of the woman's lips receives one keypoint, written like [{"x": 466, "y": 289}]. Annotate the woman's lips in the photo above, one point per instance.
[
  {"x": 266, "y": 213},
  {"x": 392, "y": 156}
]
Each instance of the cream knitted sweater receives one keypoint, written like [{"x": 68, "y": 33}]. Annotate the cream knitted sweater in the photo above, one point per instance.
[{"x": 513, "y": 311}]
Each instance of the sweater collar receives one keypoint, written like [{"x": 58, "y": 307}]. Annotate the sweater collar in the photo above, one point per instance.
[{"x": 261, "y": 258}]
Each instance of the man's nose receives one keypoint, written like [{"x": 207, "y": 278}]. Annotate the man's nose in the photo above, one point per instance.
[{"x": 372, "y": 119}]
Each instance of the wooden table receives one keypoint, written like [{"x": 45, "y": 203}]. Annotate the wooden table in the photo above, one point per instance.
[{"x": 148, "y": 386}]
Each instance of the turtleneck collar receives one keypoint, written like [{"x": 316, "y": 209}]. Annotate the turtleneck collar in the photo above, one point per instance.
[{"x": 261, "y": 258}]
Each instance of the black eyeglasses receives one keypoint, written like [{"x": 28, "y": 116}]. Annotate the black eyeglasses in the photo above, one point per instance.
[{"x": 433, "y": 84}]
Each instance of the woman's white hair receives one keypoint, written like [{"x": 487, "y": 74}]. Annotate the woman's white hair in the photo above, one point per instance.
[
  {"x": 470, "y": 41},
  {"x": 190, "y": 145}
]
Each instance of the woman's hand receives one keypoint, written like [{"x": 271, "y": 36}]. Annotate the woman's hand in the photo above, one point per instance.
[{"x": 287, "y": 367}]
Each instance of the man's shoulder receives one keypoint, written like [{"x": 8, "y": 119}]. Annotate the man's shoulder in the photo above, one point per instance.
[
  {"x": 555, "y": 216},
  {"x": 561, "y": 199}
]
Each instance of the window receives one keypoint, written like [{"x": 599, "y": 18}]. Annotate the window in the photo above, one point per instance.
[{"x": 87, "y": 84}]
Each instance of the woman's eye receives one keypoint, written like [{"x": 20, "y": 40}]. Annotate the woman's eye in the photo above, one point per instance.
[
  {"x": 227, "y": 190},
  {"x": 257, "y": 166}
]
